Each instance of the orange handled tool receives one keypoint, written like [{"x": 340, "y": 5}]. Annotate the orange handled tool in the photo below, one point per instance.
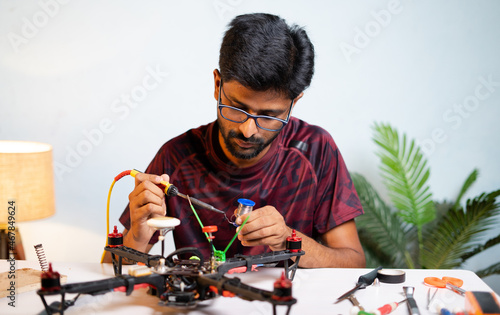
[{"x": 451, "y": 283}]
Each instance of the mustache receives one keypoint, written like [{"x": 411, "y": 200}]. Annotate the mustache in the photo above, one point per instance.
[{"x": 240, "y": 136}]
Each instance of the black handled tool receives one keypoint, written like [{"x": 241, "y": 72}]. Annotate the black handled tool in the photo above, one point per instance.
[{"x": 363, "y": 282}]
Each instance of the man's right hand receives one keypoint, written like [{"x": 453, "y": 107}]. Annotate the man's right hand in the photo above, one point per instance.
[{"x": 147, "y": 201}]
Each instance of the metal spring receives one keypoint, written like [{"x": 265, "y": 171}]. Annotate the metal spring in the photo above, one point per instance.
[{"x": 41, "y": 257}]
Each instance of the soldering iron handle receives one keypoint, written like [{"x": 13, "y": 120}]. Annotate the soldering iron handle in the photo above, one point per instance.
[
  {"x": 369, "y": 277},
  {"x": 169, "y": 189}
]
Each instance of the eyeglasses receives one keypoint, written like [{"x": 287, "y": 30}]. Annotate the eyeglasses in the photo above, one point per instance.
[{"x": 262, "y": 121}]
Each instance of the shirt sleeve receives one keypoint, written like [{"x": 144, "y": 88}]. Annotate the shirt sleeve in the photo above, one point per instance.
[{"x": 338, "y": 200}]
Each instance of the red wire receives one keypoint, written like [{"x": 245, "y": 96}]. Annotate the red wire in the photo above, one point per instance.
[{"x": 122, "y": 174}]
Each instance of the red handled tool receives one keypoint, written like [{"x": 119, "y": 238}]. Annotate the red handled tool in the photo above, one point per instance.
[{"x": 387, "y": 308}]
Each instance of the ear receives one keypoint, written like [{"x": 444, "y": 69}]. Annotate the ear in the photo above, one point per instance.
[
  {"x": 216, "y": 84},
  {"x": 297, "y": 99}
]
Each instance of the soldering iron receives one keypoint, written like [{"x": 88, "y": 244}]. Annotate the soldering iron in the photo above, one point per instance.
[{"x": 171, "y": 190}]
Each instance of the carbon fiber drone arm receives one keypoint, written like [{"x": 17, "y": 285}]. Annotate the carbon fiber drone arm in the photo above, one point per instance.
[
  {"x": 266, "y": 258},
  {"x": 243, "y": 291},
  {"x": 98, "y": 287},
  {"x": 132, "y": 255}
]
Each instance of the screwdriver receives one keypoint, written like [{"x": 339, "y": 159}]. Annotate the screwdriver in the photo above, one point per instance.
[
  {"x": 363, "y": 282},
  {"x": 387, "y": 308},
  {"x": 171, "y": 190}
]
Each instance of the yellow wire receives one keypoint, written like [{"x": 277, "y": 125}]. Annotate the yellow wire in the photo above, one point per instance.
[{"x": 107, "y": 218}]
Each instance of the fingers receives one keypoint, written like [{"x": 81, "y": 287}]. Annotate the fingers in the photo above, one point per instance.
[
  {"x": 264, "y": 236},
  {"x": 265, "y": 226},
  {"x": 147, "y": 199},
  {"x": 142, "y": 177},
  {"x": 148, "y": 182},
  {"x": 257, "y": 214},
  {"x": 165, "y": 178}
]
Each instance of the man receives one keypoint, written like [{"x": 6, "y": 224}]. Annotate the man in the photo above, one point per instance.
[{"x": 293, "y": 171}]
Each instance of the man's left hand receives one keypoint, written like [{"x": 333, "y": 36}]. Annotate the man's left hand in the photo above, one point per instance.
[{"x": 265, "y": 226}]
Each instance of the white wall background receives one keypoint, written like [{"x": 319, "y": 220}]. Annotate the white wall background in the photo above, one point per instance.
[{"x": 68, "y": 69}]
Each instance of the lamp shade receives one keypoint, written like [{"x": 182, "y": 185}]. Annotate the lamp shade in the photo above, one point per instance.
[{"x": 27, "y": 179}]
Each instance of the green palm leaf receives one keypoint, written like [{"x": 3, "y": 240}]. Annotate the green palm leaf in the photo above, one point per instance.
[
  {"x": 406, "y": 173},
  {"x": 468, "y": 182},
  {"x": 458, "y": 231},
  {"x": 380, "y": 228},
  {"x": 442, "y": 209},
  {"x": 491, "y": 270},
  {"x": 490, "y": 243}
]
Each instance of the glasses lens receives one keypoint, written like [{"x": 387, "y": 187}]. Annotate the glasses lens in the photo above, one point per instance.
[
  {"x": 269, "y": 123},
  {"x": 239, "y": 116},
  {"x": 233, "y": 114}
]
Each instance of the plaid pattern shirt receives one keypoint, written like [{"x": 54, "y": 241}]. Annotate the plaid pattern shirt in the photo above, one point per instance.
[{"x": 302, "y": 175}]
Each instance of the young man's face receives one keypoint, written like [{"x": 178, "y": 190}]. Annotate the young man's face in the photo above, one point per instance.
[{"x": 245, "y": 143}]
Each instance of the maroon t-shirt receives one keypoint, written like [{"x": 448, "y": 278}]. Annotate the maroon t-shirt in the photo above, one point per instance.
[{"x": 302, "y": 175}]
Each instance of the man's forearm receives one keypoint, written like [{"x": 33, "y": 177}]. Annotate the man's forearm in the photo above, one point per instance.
[{"x": 321, "y": 256}]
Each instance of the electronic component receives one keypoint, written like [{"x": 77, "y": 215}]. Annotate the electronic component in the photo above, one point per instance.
[
  {"x": 294, "y": 243},
  {"x": 282, "y": 289},
  {"x": 51, "y": 280},
  {"x": 115, "y": 239},
  {"x": 40, "y": 254},
  {"x": 139, "y": 270}
]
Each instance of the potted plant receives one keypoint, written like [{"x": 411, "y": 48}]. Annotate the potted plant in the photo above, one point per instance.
[{"x": 415, "y": 231}]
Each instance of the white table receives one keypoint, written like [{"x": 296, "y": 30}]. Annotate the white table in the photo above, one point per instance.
[{"x": 315, "y": 290}]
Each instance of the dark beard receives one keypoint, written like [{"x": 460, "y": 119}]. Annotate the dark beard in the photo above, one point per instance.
[{"x": 247, "y": 154}]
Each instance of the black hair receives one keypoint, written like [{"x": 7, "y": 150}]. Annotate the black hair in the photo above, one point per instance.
[{"x": 262, "y": 52}]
